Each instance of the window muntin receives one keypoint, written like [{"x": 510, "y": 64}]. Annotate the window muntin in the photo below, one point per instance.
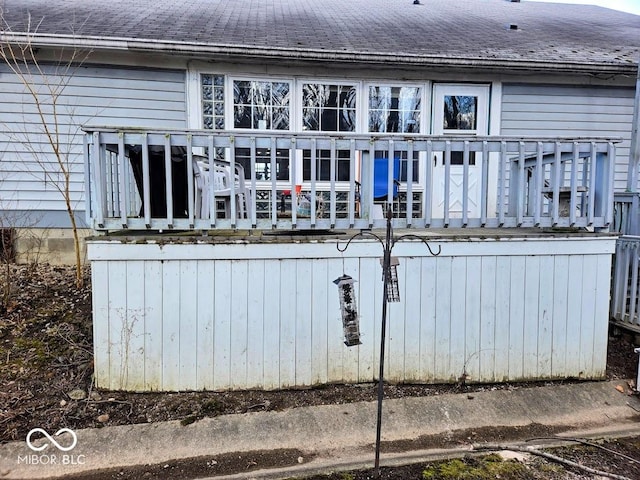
[
  {"x": 394, "y": 109},
  {"x": 261, "y": 105},
  {"x": 329, "y": 107},
  {"x": 212, "y": 101}
]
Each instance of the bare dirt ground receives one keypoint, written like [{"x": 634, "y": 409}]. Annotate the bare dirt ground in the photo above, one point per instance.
[{"x": 46, "y": 378}]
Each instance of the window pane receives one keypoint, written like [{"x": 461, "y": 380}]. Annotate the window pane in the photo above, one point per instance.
[
  {"x": 242, "y": 93},
  {"x": 242, "y": 116},
  {"x": 460, "y": 112},
  {"x": 394, "y": 109},
  {"x": 310, "y": 118},
  {"x": 280, "y": 119},
  {"x": 280, "y": 92}
]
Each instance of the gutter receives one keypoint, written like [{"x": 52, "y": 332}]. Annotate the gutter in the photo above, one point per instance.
[{"x": 201, "y": 49}]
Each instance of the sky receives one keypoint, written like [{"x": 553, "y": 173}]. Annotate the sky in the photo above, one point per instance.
[{"x": 631, "y": 6}]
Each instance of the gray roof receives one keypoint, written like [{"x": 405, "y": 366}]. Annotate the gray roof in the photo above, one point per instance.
[{"x": 434, "y": 33}]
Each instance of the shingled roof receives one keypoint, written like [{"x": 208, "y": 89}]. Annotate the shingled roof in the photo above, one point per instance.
[{"x": 471, "y": 33}]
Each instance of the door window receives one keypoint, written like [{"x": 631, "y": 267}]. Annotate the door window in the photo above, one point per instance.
[{"x": 460, "y": 115}]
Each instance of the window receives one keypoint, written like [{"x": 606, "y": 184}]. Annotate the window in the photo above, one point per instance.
[
  {"x": 328, "y": 108},
  {"x": 394, "y": 109},
  {"x": 213, "y": 101},
  {"x": 261, "y": 105},
  {"x": 263, "y": 163},
  {"x": 460, "y": 112}
]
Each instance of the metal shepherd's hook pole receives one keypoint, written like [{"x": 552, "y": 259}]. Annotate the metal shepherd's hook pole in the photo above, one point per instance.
[
  {"x": 386, "y": 266},
  {"x": 388, "y": 280}
]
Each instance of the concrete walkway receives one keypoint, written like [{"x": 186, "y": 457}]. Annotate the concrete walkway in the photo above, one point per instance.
[{"x": 336, "y": 434}]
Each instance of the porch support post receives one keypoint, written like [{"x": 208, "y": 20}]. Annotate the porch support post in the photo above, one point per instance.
[{"x": 634, "y": 152}]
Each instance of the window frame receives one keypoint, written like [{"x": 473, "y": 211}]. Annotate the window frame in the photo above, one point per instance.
[{"x": 230, "y": 98}]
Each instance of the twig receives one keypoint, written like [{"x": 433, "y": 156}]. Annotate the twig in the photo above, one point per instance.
[
  {"x": 110, "y": 401},
  {"x": 88, "y": 397},
  {"x": 590, "y": 444},
  {"x": 553, "y": 458}
]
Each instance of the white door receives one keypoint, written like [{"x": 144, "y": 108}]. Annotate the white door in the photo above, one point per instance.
[{"x": 459, "y": 110}]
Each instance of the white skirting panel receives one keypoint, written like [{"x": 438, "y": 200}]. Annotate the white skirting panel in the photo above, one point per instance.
[{"x": 217, "y": 316}]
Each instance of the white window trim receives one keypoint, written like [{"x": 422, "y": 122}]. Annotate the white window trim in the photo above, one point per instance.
[{"x": 193, "y": 92}]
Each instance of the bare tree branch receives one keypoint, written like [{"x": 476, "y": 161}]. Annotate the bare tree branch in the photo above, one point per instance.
[{"x": 45, "y": 93}]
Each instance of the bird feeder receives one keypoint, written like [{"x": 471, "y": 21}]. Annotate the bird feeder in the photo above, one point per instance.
[
  {"x": 349, "y": 310},
  {"x": 393, "y": 288}
]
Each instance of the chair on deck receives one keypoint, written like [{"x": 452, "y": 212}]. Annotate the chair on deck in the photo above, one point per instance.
[
  {"x": 381, "y": 184},
  {"x": 222, "y": 178}
]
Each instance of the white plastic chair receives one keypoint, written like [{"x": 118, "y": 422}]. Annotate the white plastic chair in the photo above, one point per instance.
[{"x": 220, "y": 176}]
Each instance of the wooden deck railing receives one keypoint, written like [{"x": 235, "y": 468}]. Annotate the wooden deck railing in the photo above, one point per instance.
[
  {"x": 626, "y": 213},
  {"x": 162, "y": 180},
  {"x": 625, "y": 298}
]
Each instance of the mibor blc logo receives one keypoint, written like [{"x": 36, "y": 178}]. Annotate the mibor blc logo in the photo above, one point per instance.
[
  {"x": 64, "y": 440},
  {"x": 52, "y": 440}
]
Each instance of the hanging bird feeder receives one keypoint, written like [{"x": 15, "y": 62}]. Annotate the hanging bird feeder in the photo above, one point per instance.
[
  {"x": 349, "y": 310},
  {"x": 393, "y": 288}
]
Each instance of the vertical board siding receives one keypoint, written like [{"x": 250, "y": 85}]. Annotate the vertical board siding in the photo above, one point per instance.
[
  {"x": 222, "y": 325},
  {"x": 556, "y": 110},
  {"x": 93, "y": 95},
  {"x": 197, "y": 322},
  {"x": 559, "y": 334},
  {"x": 487, "y": 317}
]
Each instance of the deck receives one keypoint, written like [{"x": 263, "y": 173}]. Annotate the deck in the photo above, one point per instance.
[{"x": 218, "y": 253}]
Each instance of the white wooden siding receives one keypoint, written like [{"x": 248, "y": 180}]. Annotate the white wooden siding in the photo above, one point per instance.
[
  {"x": 571, "y": 111},
  {"x": 95, "y": 95},
  {"x": 266, "y": 315}
]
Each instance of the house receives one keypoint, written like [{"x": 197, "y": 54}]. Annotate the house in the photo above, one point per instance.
[{"x": 225, "y": 154}]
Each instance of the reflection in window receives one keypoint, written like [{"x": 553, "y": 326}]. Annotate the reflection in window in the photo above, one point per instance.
[
  {"x": 460, "y": 112},
  {"x": 261, "y": 105},
  {"x": 323, "y": 165},
  {"x": 328, "y": 108},
  {"x": 263, "y": 163},
  {"x": 394, "y": 109},
  {"x": 213, "y": 101}
]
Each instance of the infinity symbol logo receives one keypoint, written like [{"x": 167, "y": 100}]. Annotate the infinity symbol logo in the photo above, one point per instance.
[{"x": 51, "y": 439}]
